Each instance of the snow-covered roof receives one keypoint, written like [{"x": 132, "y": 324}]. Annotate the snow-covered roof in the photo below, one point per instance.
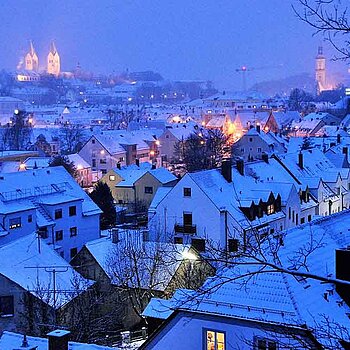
[
  {"x": 25, "y": 260},
  {"x": 132, "y": 173},
  {"x": 280, "y": 297},
  {"x": 53, "y": 182},
  {"x": 13, "y": 341},
  {"x": 78, "y": 161}
]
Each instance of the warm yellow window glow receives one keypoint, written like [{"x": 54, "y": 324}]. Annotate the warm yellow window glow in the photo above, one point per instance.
[
  {"x": 270, "y": 209},
  {"x": 215, "y": 340}
]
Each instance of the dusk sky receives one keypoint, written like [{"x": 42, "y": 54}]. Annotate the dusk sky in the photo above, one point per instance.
[{"x": 182, "y": 39}]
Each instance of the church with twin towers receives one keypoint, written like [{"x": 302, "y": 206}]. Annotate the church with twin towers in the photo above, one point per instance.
[{"x": 53, "y": 64}]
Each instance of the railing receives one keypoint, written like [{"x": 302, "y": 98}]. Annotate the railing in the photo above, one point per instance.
[
  {"x": 189, "y": 229},
  {"x": 34, "y": 192}
]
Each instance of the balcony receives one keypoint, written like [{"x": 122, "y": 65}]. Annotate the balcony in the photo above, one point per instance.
[{"x": 187, "y": 229}]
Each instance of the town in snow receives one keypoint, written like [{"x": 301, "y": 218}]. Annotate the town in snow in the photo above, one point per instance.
[{"x": 175, "y": 176}]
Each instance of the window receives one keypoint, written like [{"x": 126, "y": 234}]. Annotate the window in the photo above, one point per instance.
[
  {"x": 30, "y": 218},
  {"x": 93, "y": 141},
  {"x": 94, "y": 163},
  {"x": 289, "y": 213},
  {"x": 149, "y": 189},
  {"x": 233, "y": 245},
  {"x": 215, "y": 340},
  {"x": 58, "y": 214},
  {"x": 302, "y": 220},
  {"x": 250, "y": 139},
  {"x": 309, "y": 218},
  {"x": 187, "y": 219},
  {"x": 72, "y": 210},
  {"x": 270, "y": 209},
  {"x": 111, "y": 177},
  {"x": 264, "y": 344},
  {"x": 15, "y": 223},
  {"x": 73, "y": 231},
  {"x": 187, "y": 192},
  {"x": 178, "y": 240},
  {"x": 242, "y": 150},
  {"x": 296, "y": 219},
  {"x": 59, "y": 235},
  {"x": 103, "y": 161},
  {"x": 103, "y": 171},
  {"x": 73, "y": 252},
  {"x": 121, "y": 159},
  {"x": 6, "y": 306},
  {"x": 259, "y": 149}
]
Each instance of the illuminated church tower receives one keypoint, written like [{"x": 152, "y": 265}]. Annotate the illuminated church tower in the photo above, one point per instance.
[
  {"x": 320, "y": 71},
  {"x": 31, "y": 59},
  {"x": 53, "y": 61}
]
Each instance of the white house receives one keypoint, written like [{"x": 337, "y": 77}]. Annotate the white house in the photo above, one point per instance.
[
  {"x": 254, "y": 306},
  {"x": 50, "y": 202},
  {"x": 225, "y": 206}
]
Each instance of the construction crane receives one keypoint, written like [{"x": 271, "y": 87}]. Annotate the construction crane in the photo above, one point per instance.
[{"x": 244, "y": 70}]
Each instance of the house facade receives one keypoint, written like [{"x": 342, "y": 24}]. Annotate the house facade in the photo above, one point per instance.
[{"x": 51, "y": 203}]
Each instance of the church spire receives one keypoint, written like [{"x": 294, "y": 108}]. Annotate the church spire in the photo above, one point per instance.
[{"x": 53, "y": 49}]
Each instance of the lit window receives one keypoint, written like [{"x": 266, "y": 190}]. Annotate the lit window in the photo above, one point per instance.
[
  {"x": 187, "y": 192},
  {"x": 270, "y": 209},
  {"x": 111, "y": 177},
  {"x": 215, "y": 340},
  {"x": 15, "y": 223},
  {"x": 264, "y": 344}
]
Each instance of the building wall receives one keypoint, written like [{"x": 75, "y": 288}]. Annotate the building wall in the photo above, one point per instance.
[
  {"x": 167, "y": 142},
  {"x": 170, "y": 212},
  {"x": 99, "y": 158},
  {"x": 238, "y": 334},
  {"x": 87, "y": 228}
]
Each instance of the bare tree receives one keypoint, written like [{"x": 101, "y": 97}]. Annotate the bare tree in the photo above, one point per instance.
[
  {"x": 72, "y": 137},
  {"x": 143, "y": 270},
  {"x": 329, "y": 18}
]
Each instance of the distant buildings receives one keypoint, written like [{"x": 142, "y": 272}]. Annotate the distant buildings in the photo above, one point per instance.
[{"x": 31, "y": 64}]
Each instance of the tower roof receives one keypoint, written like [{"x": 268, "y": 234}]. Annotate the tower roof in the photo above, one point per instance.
[
  {"x": 31, "y": 49},
  {"x": 53, "y": 49}
]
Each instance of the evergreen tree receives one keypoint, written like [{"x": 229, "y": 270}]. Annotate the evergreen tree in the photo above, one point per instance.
[
  {"x": 61, "y": 160},
  {"x": 102, "y": 196}
]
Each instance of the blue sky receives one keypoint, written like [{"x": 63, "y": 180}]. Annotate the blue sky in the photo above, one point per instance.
[{"x": 182, "y": 39}]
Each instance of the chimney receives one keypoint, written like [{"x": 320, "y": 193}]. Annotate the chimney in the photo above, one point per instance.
[
  {"x": 345, "y": 150},
  {"x": 226, "y": 169},
  {"x": 301, "y": 160},
  {"x": 342, "y": 272},
  {"x": 25, "y": 342},
  {"x": 240, "y": 166},
  {"x": 265, "y": 157},
  {"x": 137, "y": 162},
  {"x": 58, "y": 340},
  {"x": 338, "y": 139},
  {"x": 258, "y": 128}
]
